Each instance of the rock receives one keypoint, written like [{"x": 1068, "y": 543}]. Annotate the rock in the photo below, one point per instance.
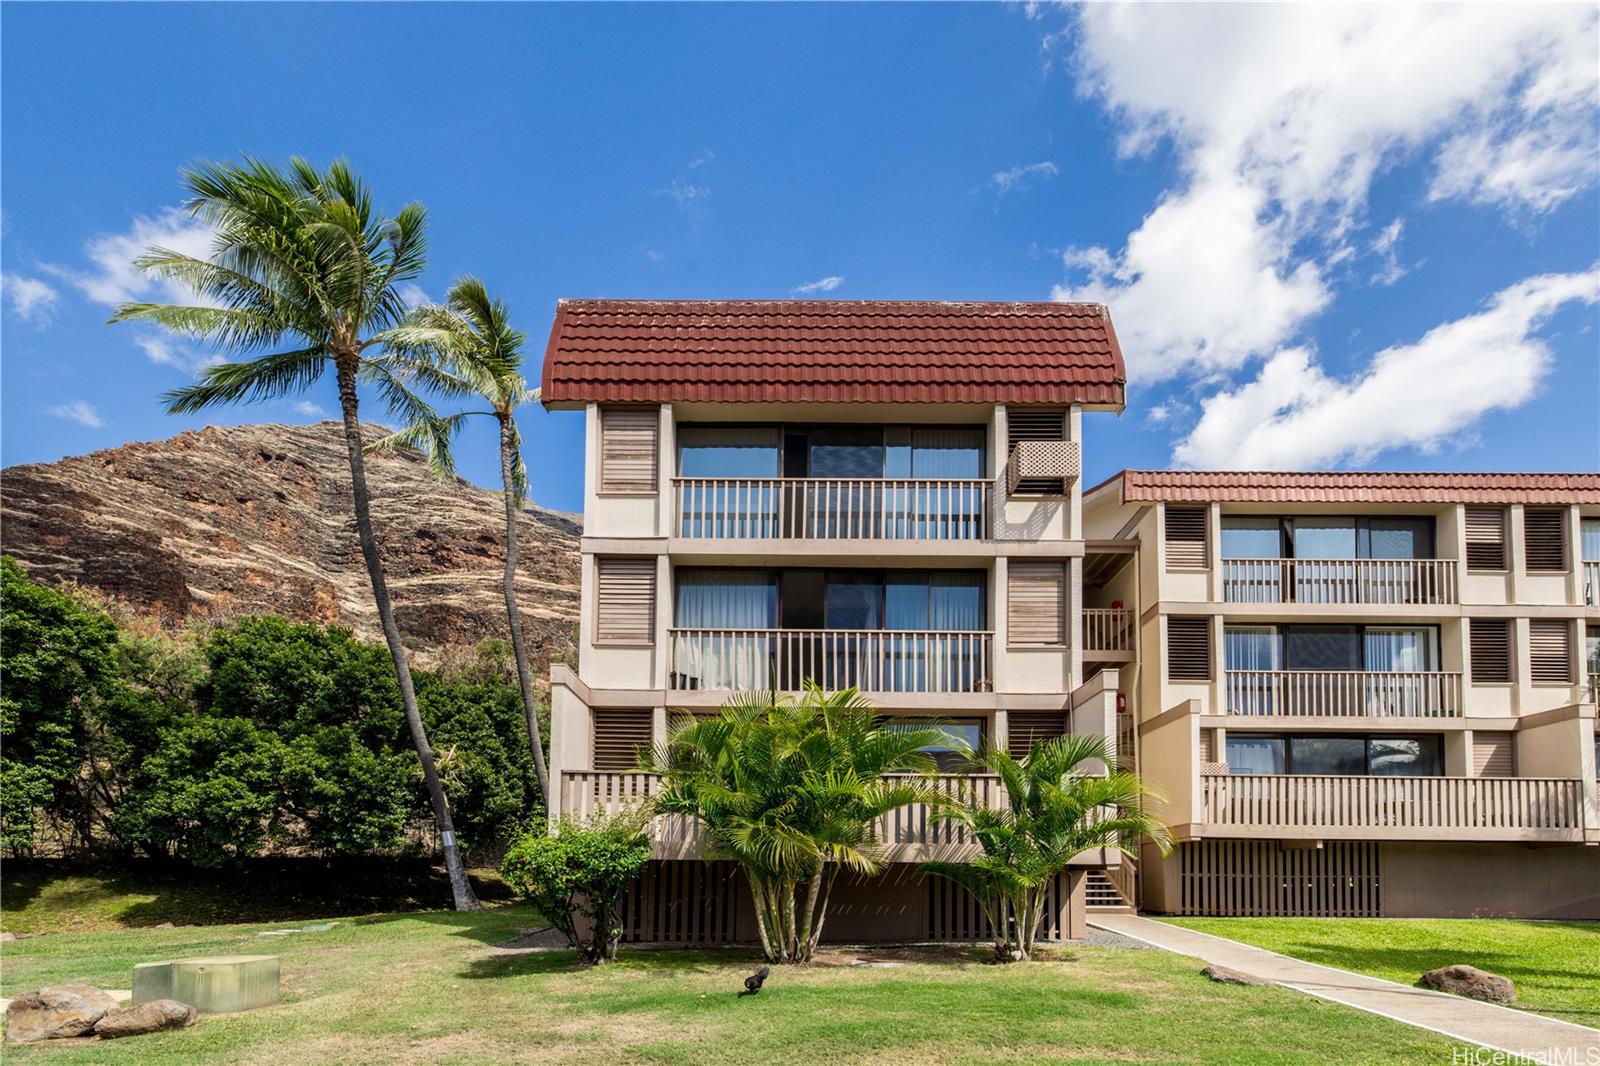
[
  {"x": 236, "y": 520},
  {"x": 1471, "y": 982},
  {"x": 150, "y": 1017},
  {"x": 7, "y": 936},
  {"x": 1223, "y": 975},
  {"x": 165, "y": 925},
  {"x": 59, "y": 1011}
]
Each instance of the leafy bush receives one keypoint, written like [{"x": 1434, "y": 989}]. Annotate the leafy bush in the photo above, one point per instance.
[{"x": 576, "y": 877}]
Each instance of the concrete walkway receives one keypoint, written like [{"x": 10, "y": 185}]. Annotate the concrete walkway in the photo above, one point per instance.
[{"x": 1467, "y": 1020}]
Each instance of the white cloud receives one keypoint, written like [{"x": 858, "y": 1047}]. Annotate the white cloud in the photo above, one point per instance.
[
  {"x": 1386, "y": 246},
  {"x": 707, "y": 156},
  {"x": 827, "y": 284},
  {"x": 164, "y": 350},
  {"x": 29, "y": 299},
  {"x": 654, "y": 256},
  {"x": 308, "y": 409},
  {"x": 112, "y": 278},
  {"x": 1018, "y": 179},
  {"x": 1423, "y": 394},
  {"x": 77, "y": 411},
  {"x": 412, "y": 295},
  {"x": 689, "y": 197},
  {"x": 1280, "y": 117}
]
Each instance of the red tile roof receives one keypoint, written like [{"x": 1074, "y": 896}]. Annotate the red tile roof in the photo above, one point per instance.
[
  {"x": 1257, "y": 487},
  {"x": 824, "y": 351}
]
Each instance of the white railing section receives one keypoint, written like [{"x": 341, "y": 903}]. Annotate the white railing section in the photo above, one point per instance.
[
  {"x": 1414, "y": 803},
  {"x": 1591, "y": 583},
  {"x": 722, "y": 508},
  {"x": 1107, "y": 629},
  {"x": 874, "y": 660},
  {"x": 1343, "y": 693},
  {"x": 1327, "y": 581}
]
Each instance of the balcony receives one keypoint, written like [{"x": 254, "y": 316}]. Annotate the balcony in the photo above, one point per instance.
[
  {"x": 1108, "y": 632},
  {"x": 1392, "y": 808},
  {"x": 1591, "y": 583},
  {"x": 1342, "y": 693},
  {"x": 908, "y": 835},
  {"x": 734, "y": 508},
  {"x": 873, "y": 660},
  {"x": 1374, "y": 582}
]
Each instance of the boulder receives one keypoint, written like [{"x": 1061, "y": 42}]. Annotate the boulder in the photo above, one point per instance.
[
  {"x": 1471, "y": 982},
  {"x": 150, "y": 1017},
  {"x": 61, "y": 1011},
  {"x": 1223, "y": 975}
]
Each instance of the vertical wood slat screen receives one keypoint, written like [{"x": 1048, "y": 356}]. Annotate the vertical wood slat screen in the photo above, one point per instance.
[
  {"x": 1490, "y": 640},
  {"x": 625, "y": 600},
  {"x": 618, "y": 735},
  {"x": 1550, "y": 651},
  {"x": 1036, "y": 604},
  {"x": 1493, "y": 755},
  {"x": 629, "y": 448},
  {"x": 1024, "y": 423},
  {"x": 1208, "y": 745},
  {"x": 1486, "y": 538},
  {"x": 1185, "y": 531},
  {"x": 1189, "y": 649},
  {"x": 1544, "y": 539},
  {"x": 1243, "y": 878},
  {"x": 1026, "y": 728}
]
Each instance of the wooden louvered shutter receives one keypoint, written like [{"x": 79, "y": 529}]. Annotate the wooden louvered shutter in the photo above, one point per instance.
[
  {"x": 618, "y": 736},
  {"x": 1024, "y": 423},
  {"x": 1185, "y": 529},
  {"x": 629, "y": 438},
  {"x": 1550, "y": 651},
  {"x": 1036, "y": 603},
  {"x": 1493, "y": 755},
  {"x": 1486, "y": 538},
  {"x": 1208, "y": 745},
  {"x": 1544, "y": 539},
  {"x": 1024, "y": 729},
  {"x": 1189, "y": 649},
  {"x": 625, "y": 611},
  {"x": 1490, "y": 640}
]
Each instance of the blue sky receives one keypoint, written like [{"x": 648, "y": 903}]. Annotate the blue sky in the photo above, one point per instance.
[{"x": 1331, "y": 237}]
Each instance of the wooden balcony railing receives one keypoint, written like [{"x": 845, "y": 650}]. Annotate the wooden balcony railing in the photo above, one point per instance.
[
  {"x": 1343, "y": 693},
  {"x": 722, "y": 508},
  {"x": 874, "y": 660},
  {"x": 1333, "y": 581},
  {"x": 1591, "y": 583},
  {"x": 906, "y": 832},
  {"x": 1415, "y": 808},
  {"x": 1107, "y": 629}
]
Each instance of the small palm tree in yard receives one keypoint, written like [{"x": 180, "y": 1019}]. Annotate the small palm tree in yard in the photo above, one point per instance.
[
  {"x": 791, "y": 789},
  {"x": 469, "y": 349},
  {"x": 305, "y": 269},
  {"x": 1065, "y": 797}
]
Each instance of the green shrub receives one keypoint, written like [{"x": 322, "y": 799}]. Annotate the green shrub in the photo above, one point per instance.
[{"x": 576, "y": 877}]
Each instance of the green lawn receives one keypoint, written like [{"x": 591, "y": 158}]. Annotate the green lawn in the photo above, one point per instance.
[
  {"x": 423, "y": 987},
  {"x": 46, "y": 896},
  {"x": 1555, "y": 965}
]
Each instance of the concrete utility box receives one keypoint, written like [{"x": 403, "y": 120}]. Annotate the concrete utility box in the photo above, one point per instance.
[{"x": 212, "y": 986}]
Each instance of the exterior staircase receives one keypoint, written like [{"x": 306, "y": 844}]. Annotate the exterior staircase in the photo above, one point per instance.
[{"x": 1102, "y": 896}]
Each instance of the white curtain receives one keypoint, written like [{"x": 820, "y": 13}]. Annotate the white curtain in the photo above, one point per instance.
[
  {"x": 737, "y": 600},
  {"x": 1250, "y": 648}
]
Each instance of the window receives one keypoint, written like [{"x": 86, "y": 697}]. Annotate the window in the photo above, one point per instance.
[
  {"x": 625, "y": 610},
  {"x": 728, "y": 451},
  {"x": 1036, "y": 604},
  {"x": 1320, "y": 753},
  {"x": 1589, "y": 538},
  {"x": 1023, "y": 423},
  {"x": 1550, "y": 651},
  {"x": 1252, "y": 538},
  {"x": 1401, "y": 649},
  {"x": 1324, "y": 538},
  {"x": 1490, "y": 642},
  {"x": 965, "y": 737},
  {"x": 1188, "y": 649},
  {"x": 1486, "y": 538},
  {"x": 1544, "y": 531},
  {"x": 1185, "y": 529},
  {"x": 618, "y": 735},
  {"x": 628, "y": 440}
]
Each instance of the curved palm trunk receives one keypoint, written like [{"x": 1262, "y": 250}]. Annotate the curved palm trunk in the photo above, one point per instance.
[
  {"x": 530, "y": 709},
  {"x": 460, "y": 887}
]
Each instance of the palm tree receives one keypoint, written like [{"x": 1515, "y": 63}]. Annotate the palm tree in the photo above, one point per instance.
[
  {"x": 1064, "y": 798},
  {"x": 791, "y": 789},
  {"x": 472, "y": 351},
  {"x": 304, "y": 268}
]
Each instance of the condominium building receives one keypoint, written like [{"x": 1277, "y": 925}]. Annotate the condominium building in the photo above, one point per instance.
[
  {"x": 1359, "y": 693},
  {"x": 1366, "y": 693},
  {"x": 882, "y": 495}
]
